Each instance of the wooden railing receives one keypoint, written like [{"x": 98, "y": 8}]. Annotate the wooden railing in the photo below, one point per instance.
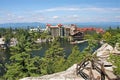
[{"x": 94, "y": 65}]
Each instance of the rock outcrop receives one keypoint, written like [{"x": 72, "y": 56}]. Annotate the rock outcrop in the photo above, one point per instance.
[
  {"x": 104, "y": 50},
  {"x": 117, "y": 49},
  {"x": 69, "y": 74},
  {"x": 103, "y": 54}
]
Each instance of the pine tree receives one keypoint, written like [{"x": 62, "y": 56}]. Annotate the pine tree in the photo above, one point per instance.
[
  {"x": 75, "y": 57},
  {"x": 55, "y": 58},
  {"x": 115, "y": 60},
  {"x": 22, "y": 64}
]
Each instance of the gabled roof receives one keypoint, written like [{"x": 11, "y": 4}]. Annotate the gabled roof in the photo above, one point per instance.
[
  {"x": 54, "y": 27},
  {"x": 99, "y": 30},
  {"x": 48, "y": 25},
  {"x": 60, "y": 25},
  {"x": 76, "y": 33}
]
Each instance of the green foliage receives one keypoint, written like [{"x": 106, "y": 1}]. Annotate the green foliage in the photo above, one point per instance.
[
  {"x": 2, "y": 32},
  {"x": 55, "y": 58},
  {"x": 91, "y": 45},
  {"x": 75, "y": 57},
  {"x": 22, "y": 64},
  {"x": 93, "y": 36},
  {"x": 115, "y": 60},
  {"x": 112, "y": 36},
  {"x": 35, "y": 35},
  {"x": 87, "y": 36},
  {"x": 2, "y": 64},
  {"x": 55, "y": 51},
  {"x": 107, "y": 36},
  {"x": 114, "y": 39},
  {"x": 114, "y": 31},
  {"x": 44, "y": 35}
]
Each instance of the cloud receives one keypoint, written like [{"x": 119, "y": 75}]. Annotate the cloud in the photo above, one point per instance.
[
  {"x": 55, "y": 17},
  {"x": 63, "y": 14},
  {"x": 61, "y": 9},
  {"x": 91, "y": 9},
  {"x": 20, "y": 17},
  {"x": 74, "y": 16},
  {"x": 10, "y": 15},
  {"x": 58, "y": 9}
]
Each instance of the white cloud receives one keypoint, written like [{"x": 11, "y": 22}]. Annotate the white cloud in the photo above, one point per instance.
[
  {"x": 95, "y": 9},
  {"x": 58, "y": 9},
  {"x": 62, "y": 9},
  {"x": 63, "y": 14},
  {"x": 10, "y": 15},
  {"x": 55, "y": 17},
  {"x": 20, "y": 17}
]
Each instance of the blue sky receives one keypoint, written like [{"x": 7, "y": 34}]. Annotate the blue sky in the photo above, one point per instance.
[{"x": 59, "y": 11}]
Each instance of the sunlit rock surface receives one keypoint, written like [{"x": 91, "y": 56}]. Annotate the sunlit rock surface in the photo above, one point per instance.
[{"x": 106, "y": 49}]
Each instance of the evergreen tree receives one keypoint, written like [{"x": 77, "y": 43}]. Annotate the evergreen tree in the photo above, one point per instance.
[
  {"x": 22, "y": 64},
  {"x": 75, "y": 57},
  {"x": 115, "y": 60},
  {"x": 107, "y": 36},
  {"x": 2, "y": 65},
  {"x": 55, "y": 58}
]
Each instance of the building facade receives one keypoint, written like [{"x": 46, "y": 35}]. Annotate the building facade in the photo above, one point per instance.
[
  {"x": 2, "y": 43},
  {"x": 55, "y": 31},
  {"x": 72, "y": 30}
]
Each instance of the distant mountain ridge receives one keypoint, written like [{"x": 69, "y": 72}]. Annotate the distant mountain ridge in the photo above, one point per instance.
[
  {"x": 22, "y": 25},
  {"x": 104, "y": 25},
  {"x": 43, "y": 25}
]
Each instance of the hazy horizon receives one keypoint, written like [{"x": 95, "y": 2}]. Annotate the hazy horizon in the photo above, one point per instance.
[{"x": 104, "y": 25}]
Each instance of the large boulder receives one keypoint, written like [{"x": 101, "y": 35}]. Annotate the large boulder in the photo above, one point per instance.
[
  {"x": 104, "y": 50},
  {"x": 116, "y": 49}
]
